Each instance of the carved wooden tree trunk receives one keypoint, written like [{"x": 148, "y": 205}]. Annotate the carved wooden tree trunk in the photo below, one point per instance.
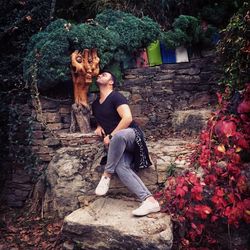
[{"x": 84, "y": 66}]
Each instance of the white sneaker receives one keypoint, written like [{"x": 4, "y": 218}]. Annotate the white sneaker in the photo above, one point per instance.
[
  {"x": 103, "y": 186},
  {"x": 147, "y": 207}
]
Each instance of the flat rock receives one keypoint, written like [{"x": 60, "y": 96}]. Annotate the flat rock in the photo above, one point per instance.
[
  {"x": 108, "y": 224},
  {"x": 190, "y": 121}
]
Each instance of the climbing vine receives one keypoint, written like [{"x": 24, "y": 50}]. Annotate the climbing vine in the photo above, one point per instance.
[
  {"x": 234, "y": 49},
  {"x": 20, "y": 136},
  {"x": 21, "y": 130},
  {"x": 203, "y": 205}
]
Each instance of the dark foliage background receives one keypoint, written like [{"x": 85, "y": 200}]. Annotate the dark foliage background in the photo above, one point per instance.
[
  {"x": 20, "y": 19},
  {"x": 163, "y": 11}
]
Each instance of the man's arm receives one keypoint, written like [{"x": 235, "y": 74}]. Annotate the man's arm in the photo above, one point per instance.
[
  {"x": 126, "y": 118},
  {"x": 99, "y": 131}
]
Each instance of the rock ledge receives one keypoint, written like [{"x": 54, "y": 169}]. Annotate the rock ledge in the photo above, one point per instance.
[{"x": 108, "y": 224}]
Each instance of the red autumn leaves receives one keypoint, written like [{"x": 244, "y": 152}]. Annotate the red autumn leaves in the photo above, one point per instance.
[
  {"x": 222, "y": 195},
  {"x": 226, "y": 137}
]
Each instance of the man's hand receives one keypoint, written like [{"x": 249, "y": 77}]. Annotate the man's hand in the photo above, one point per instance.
[
  {"x": 106, "y": 140},
  {"x": 99, "y": 131}
]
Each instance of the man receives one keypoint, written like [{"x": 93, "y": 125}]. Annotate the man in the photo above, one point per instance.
[{"x": 125, "y": 143}]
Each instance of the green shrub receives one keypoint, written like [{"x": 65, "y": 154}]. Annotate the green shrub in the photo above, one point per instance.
[
  {"x": 187, "y": 31},
  {"x": 133, "y": 32},
  {"x": 115, "y": 34}
]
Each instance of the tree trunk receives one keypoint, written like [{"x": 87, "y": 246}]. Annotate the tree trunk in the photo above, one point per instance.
[
  {"x": 80, "y": 118},
  {"x": 84, "y": 66}
]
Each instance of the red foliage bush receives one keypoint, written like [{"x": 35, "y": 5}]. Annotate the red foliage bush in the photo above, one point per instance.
[{"x": 203, "y": 205}]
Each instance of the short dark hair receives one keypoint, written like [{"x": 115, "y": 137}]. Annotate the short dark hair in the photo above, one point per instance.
[{"x": 113, "y": 78}]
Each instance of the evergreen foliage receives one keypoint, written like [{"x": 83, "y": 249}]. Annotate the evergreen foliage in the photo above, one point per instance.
[
  {"x": 133, "y": 32},
  {"x": 174, "y": 38},
  {"x": 110, "y": 17},
  {"x": 49, "y": 51},
  {"x": 190, "y": 26},
  {"x": 115, "y": 34},
  {"x": 89, "y": 36},
  {"x": 188, "y": 31}
]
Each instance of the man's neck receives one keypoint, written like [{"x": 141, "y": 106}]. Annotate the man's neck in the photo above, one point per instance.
[{"x": 104, "y": 92}]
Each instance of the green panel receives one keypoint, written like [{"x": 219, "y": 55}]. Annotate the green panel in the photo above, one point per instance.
[{"x": 154, "y": 53}]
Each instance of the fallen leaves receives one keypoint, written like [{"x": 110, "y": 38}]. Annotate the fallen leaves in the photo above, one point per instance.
[{"x": 20, "y": 230}]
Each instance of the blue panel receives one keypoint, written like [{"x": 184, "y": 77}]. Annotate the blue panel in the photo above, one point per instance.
[{"x": 168, "y": 55}]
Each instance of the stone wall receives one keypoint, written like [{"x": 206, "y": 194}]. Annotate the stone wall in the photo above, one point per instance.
[
  {"x": 33, "y": 142},
  {"x": 173, "y": 97},
  {"x": 164, "y": 99}
]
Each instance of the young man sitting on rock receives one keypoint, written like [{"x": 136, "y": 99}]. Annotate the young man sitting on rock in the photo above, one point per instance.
[{"x": 125, "y": 143}]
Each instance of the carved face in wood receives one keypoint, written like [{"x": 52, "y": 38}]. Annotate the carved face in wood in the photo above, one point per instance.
[{"x": 84, "y": 65}]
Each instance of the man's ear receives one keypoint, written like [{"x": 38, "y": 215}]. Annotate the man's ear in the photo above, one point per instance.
[{"x": 111, "y": 82}]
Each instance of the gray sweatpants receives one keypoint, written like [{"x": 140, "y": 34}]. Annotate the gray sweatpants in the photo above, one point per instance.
[{"x": 120, "y": 157}]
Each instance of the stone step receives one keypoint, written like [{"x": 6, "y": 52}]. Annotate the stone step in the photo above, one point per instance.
[
  {"x": 107, "y": 223},
  {"x": 190, "y": 122},
  {"x": 148, "y": 176},
  {"x": 171, "y": 153}
]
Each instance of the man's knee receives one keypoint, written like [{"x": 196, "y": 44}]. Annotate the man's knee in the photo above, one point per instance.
[
  {"x": 124, "y": 135},
  {"x": 118, "y": 137}
]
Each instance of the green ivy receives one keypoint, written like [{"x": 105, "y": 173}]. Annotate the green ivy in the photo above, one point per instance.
[
  {"x": 231, "y": 50},
  {"x": 19, "y": 138}
]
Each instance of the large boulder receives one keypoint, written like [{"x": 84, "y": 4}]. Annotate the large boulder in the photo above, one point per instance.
[
  {"x": 73, "y": 174},
  {"x": 108, "y": 224},
  {"x": 70, "y": 175}
]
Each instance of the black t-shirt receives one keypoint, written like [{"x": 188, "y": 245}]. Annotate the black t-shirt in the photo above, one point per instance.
[{"x": 106, "y": 113}]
